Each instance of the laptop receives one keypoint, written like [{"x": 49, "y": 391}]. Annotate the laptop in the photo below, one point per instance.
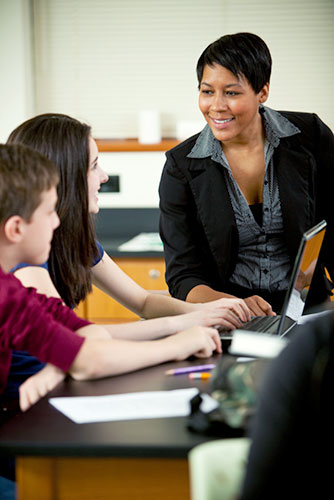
[{"x": 299, "y": 285}]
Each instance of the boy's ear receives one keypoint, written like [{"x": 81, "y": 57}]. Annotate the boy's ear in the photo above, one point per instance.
[{"x": 14, "y": 228}]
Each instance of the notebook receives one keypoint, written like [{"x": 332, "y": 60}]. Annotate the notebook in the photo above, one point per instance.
[{"x": 299, "y": 285}]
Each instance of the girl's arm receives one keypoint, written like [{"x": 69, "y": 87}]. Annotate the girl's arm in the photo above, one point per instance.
[
  {"x": 112, "y": 280},
  {"x": 162, "y": 327}
]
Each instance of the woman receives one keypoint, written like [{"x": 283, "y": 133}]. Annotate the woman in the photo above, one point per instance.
[
  {"x": 77, "y": 260},
  {"x": 236, "y": 198}
]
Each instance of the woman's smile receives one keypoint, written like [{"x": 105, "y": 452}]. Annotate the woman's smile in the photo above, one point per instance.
[{"x": 229, "y": 104}]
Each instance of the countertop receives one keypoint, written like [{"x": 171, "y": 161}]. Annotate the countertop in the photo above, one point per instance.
[{"x": 111, "y": 247}]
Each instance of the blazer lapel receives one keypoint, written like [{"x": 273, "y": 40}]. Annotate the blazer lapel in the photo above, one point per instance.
[
  {"x": 296, "y": 185},
  {"x": 215, "y": 211},
  {"x": 296, "y": 193}
]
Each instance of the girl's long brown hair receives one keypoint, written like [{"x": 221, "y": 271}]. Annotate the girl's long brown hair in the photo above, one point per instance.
[{"x": 65, "y": 141}]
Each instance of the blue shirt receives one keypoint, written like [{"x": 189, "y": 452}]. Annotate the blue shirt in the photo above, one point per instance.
[{"x": 46, "y": 265}]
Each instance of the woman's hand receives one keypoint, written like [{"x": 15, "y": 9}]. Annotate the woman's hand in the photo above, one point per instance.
[{"x": 259, "y": 307}]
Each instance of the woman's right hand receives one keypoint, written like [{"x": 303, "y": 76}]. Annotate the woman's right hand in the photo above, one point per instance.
[{"x": 258, "y": 306}]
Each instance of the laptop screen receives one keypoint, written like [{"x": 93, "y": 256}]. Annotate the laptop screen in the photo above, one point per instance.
[{"x": 303, "y": 271}]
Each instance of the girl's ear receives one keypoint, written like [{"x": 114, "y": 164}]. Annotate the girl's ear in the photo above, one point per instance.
[
  {"x": 14, "y": 229},
  {"x": 264, "y": 93}
]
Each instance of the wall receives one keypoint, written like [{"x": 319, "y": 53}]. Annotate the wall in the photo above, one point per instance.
[
  {"x": 105, "y": 61},
  {"x": 112, "y": 77},
  {"x": 139, "y": 175},
  {"x": 16, "y": 89}
]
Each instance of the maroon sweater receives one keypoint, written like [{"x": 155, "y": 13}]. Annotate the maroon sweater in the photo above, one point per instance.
[{"x": 32, "y": 322}]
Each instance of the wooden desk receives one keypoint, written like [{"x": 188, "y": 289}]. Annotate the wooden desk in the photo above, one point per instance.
[{"x": 143, "y": 459}]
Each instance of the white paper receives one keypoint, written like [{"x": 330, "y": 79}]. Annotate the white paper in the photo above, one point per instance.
[
  {"x": 131, "y": 406},
  {"x": 296, "y": 306},
  {"x": 143, "y": 242}
]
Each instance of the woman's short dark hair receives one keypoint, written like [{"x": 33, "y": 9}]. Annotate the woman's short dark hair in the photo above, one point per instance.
[
  {"x": 244, "y": 54},
  {"x": 65, "y": 141}
]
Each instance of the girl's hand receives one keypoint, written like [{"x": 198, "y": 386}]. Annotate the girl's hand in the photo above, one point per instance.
[{"x": 239, "y": 307}]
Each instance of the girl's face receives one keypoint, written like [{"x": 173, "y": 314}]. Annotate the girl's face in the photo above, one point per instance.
[
  {"x": 229, "y": 104},
  {"x": 95, "y": 177}
]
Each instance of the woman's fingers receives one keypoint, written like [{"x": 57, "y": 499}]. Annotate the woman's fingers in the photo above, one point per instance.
[{"x": 258, "y": 306}]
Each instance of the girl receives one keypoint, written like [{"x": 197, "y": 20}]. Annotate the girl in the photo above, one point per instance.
[{"x": 77, "y": 260}]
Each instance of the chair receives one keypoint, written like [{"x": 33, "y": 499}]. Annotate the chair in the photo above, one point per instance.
[{"x": 217, "y": 469}]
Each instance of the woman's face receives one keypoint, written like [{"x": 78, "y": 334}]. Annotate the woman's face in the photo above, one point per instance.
[
  {"x": 229, "y": 104},
  {"x": 95, "y": 177}
]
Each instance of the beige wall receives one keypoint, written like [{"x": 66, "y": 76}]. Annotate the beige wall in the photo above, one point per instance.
[
  {"x": 16, "y": 92},
  {"x": 108, "y": 86}
]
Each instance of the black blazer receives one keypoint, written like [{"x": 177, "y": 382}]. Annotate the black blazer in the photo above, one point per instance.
[{"x": 197, "y": 223}]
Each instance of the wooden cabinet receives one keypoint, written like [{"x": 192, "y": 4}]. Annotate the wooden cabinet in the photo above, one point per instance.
[{"x": 147, "y": 272}]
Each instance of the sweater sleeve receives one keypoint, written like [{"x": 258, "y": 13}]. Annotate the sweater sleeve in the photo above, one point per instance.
[{"x": 42, "y": 326}]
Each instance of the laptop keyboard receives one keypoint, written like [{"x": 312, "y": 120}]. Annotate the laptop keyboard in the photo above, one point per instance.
[
  {"x": 261, "y": 324},
  {"x": 266, "y": 324}
]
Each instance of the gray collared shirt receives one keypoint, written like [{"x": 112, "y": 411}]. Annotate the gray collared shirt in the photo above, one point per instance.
[{"x": 263, "y": 262}]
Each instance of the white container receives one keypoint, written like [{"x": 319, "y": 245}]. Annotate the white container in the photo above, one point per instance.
[{"x": 149, "y": 127}]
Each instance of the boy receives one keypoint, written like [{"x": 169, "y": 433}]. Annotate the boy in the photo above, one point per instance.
[{"x": 44, "y": 326}]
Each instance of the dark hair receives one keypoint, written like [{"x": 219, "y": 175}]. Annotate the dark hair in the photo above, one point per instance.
[
  {"x": 244, "y": 54},
  {"x": 65, "y": 141},
  {"x": 24, "y": 175}
]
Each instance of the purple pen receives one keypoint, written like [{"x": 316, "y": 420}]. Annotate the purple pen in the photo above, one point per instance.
[{"x": 190, "y": 369}]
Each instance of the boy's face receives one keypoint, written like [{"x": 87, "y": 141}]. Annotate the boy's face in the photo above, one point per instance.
[{"x": 38, "y": 232}]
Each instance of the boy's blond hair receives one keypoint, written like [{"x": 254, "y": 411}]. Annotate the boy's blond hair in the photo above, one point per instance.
[{"x": 24, "y": 175}]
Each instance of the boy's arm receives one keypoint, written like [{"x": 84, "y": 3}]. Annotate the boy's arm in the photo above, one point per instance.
[
  {"x": 38, "y": 385},
  {"x": 98, "y": 358},
  {"x": 37, "y": 277}
]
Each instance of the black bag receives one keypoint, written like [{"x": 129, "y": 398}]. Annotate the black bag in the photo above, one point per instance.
[{"x": 235, "y": 385}]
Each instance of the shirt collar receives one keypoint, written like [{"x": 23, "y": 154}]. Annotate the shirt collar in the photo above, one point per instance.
[{"x": 275, "y": 124}]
